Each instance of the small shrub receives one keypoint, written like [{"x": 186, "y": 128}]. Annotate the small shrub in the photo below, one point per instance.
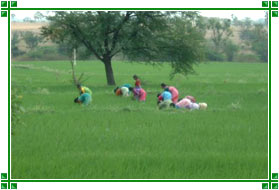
[
  {"x": 230, "y": 49},
  {"x": 212, "y": 55},
  {"x": 43, "y": 53}
]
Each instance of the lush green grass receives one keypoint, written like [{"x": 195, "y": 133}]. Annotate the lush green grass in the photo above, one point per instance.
[{"x": 119, "y": 138}]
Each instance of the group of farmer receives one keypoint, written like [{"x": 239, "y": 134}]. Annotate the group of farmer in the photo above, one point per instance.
[
  {"x": 137, "y": 91},
  {"x": 168, "y": 98}
]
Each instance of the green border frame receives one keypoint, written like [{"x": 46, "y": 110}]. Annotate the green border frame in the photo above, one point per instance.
[{"x": 8, "y": 181}]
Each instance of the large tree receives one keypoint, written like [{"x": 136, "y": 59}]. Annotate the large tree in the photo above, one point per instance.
[
  {"x": 256, "y": 37},
  {"x": 31, "y": 39},
  {"x": 146, "y": 36},
  {"x": 38, "y": 16},
  {"x": 14, "y": 44},
  {"x": 221, "y": 31}
]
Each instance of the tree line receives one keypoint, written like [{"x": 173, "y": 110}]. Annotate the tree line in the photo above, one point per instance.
[{"x": 180, "y": 39}]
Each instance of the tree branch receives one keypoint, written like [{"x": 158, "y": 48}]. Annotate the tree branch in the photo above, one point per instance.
[
  {"x": 76, "y": 31},
  {"x": 117, "y": 30}
]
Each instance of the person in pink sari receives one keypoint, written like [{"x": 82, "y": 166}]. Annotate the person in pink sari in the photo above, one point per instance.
[
  {"x": 189, "y": 102},
  {"x": 174, "y": 92},
  {"x": 183, "y": 103},
  {"x": 139, "y": 95}
]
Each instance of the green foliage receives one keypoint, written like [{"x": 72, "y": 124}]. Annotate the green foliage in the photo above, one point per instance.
[
  {"x": 48, "y": 53},
  {"x": 259, "y": 43},
  {"x": 256, "y": 37},
  {"x": 221, "y": 47},
  {"x": 178, "y": 41},
  {"x": 82, "y": 52},
  {"x": 247, "y": 23},
  {"x": 221, "y": 31},
  {"x": 211, "y": 54},
  {"x": 14, "y": 45},
  {"x": 43, "y": 53},
  {"x": 38, "y": 16},
  {"x": 31, "y": 39},
  {"x": 235, "y": 21},
  {"x": 139, "y": 35},
  {"x": 183, "y": 45},
  {"x": 230, "y": 49},
  {"x": 252, "y": 58}
]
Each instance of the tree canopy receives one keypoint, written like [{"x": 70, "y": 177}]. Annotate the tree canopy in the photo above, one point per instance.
[
  {"x": 31, "y": 39},
  {"x": 256, "y": 37},
  {"x": 149, "y": 36}
]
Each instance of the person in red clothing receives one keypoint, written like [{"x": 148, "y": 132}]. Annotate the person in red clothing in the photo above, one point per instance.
[
  {"x": 138, "y": 82},
  {"x": 159, "y": 98},
  {"x": 173, "y": 91}
]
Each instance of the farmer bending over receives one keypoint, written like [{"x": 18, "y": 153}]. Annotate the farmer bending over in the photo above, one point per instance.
[
  {"x": 139, "y": 95},
  {"x": 173, "y": 91},
  {"x": 122, "y": 91},
  {"x": 188, "y": 103},
  {"x": 164, "y": 99},
  {"x": 83, "y": 89},
  {"x": 83, "y": 99}
]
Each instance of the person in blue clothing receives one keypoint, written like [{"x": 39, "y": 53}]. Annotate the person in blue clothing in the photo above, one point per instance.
[
  {"x": 164, "y": 99},
  {"x": 83, "y": 99}
]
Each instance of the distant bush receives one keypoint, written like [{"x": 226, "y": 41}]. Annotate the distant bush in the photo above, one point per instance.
[
  {"x": 50, "y": 53},
  {"x": 82, "y": 52},
  {"x": 212, "y": 55},
  {"x": 247, "y": 58},
  {"x": 43, "y": 53},
  {"x": 230, "y": 49},
  {"x": 31, "y": 39},
  {"x": 14, "y": 45},
  {"x": 256, "y": 37}
]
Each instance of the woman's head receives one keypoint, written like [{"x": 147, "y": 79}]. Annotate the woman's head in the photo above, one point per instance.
[
  {"x": 203, "y": 106},
  {"x": 79, "y": 86},
  {"x": 115, "y": 89},
  {"x": 135, "y": 77},
  {"x": 163, "y": 85},
  {"x": 76, "y": 100}
]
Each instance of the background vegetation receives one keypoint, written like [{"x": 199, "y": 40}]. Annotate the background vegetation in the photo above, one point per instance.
[{"x": 226, "y": 40}]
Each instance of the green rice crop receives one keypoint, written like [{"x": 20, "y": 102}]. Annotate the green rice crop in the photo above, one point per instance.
[{"x": 118, "y": 138}]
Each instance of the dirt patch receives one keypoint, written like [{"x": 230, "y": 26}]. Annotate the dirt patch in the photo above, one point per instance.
[{"x": 24, "y": 26}]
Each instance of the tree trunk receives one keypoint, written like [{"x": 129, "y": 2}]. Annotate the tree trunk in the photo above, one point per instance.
[{"x": 109, "y": 71}]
